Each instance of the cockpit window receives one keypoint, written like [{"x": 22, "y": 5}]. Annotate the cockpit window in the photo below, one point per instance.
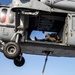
[
  {"x": 3, "y": 15},
  {"x": 11, "y": 17}
]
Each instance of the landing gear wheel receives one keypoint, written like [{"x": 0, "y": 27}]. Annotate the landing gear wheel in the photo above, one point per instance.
[
  {"x": 12, "y": 50},
  {"x": 19, "y": 61}
]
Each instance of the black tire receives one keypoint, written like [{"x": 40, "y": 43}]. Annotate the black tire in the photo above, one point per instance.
[
  {"x": 19, "y": 62},
  {"x": 12, "y": 50}
]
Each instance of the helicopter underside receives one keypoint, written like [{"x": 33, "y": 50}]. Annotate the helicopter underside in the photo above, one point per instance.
[{"x": 56, "y": 49}]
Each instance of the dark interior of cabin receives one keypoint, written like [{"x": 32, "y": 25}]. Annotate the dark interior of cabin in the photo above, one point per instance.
[{"x": 47, "y": 22}]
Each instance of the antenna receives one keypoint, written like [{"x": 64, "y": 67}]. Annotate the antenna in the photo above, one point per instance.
[{"x": 46, "y": 59}]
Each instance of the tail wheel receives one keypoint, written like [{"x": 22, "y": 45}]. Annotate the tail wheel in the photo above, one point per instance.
[
  {"x": 12, "y": 50},
  {"x": 19, "y": 61}
]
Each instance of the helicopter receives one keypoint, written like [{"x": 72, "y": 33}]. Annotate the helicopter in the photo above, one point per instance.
[{"x": 20, "y": 18}]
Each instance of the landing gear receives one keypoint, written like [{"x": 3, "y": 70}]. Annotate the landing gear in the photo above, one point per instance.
[
  {"x": 12, "y": 50},
  {"x": 19, "y": 61}
]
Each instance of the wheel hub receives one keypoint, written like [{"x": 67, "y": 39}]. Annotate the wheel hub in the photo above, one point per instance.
[{"x": 11, "y": 49}]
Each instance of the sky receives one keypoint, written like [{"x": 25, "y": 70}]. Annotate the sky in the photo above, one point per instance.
[{"x": 34, "y": 63}]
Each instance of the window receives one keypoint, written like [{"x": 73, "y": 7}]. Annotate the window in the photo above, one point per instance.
[
  {"x": 11, "y": 17},
  {"x": 73, "y": 22},
  {"x": 3, "y": 15}
]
